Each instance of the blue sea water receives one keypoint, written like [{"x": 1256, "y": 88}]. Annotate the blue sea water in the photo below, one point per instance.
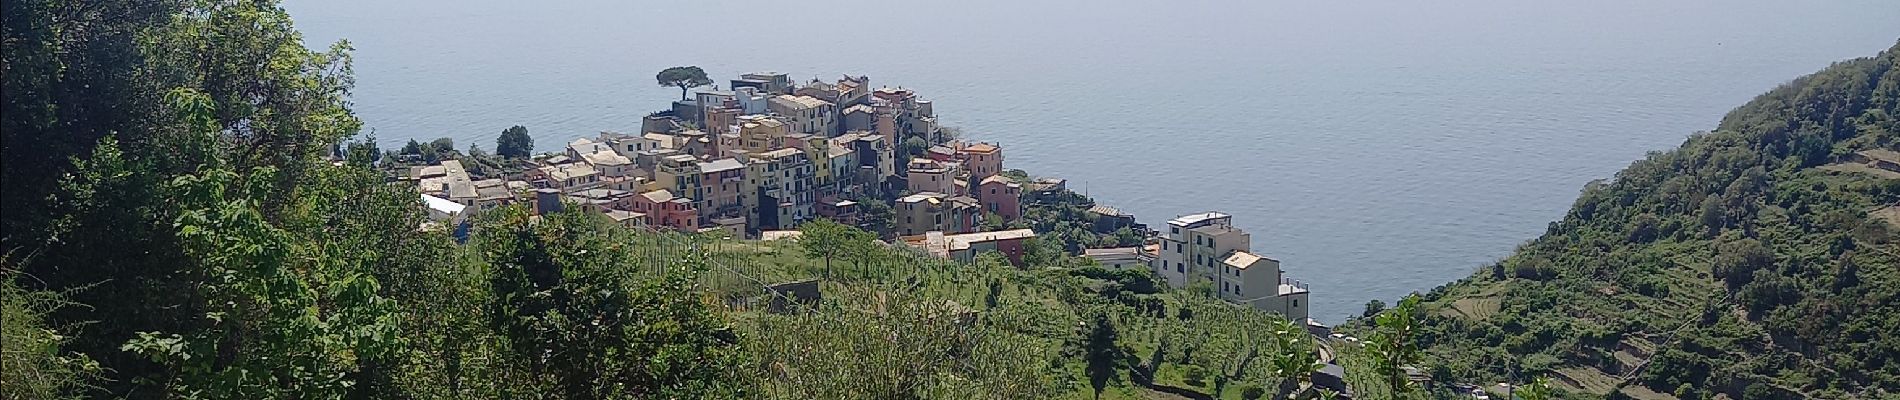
[{"x": 1375, "y": 147}]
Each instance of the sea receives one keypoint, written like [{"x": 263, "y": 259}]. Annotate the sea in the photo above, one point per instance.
[{"x": 1374, "y": 147}]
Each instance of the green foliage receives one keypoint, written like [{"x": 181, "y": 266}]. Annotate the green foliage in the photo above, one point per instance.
[
  {"x": 876, "y": 216},
  {"x": 1251, "y": 392},
  {"x": 824, "y": 239},
  {"x": 1730, "y": 262},
  {"x": 1296, "y": 358},
  {"x": 1063, "y": 219},
  {"x": 585, "y": 326},
  {"x": 1099, "y": 353},
  {"x": 32, "y": 365},
  {"x": 1373, "y": 308},
  {"x": 683, "y": 77},
  {"x": 514, "y": 142},
  {"x": 1393, "y": 346},
  {"x": 72, "y": 79}
]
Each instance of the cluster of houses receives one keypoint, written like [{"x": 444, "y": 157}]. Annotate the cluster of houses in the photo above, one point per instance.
[{"x": 766, "y": 154}]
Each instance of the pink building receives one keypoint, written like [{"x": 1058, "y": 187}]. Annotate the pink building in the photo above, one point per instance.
[
  {"x": 982, "y": 160},
  {"x": 1001, "y": 196},
  {"x": 722, "y": 180},
  {"x": 662, "y": 209}
]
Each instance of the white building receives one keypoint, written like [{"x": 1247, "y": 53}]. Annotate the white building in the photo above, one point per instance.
[
  {"x": 1206, "y": 247},
  {"x": 629, "y": 146},
  {"x": 444, "y": 210},
  {"x": 1255, "y": 280},
  {"x": 1118, "y": 258},
  {"x": 1193, "y": 245}
]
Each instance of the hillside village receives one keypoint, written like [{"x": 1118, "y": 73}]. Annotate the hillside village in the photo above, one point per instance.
[{"x": 765, "y": 154}]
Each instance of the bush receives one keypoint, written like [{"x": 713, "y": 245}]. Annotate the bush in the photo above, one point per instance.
[
  {"x": 1194, "y": 375},
  {"x": 1251, "y": 392}
]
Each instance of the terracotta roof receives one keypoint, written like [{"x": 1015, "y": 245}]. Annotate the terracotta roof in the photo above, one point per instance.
[
  {"x": 1106, "y": 210},
  {"x": 980, "y": 148}
]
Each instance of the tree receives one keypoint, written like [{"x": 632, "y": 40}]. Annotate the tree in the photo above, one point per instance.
[
  {"x": 1373, "y": 307},
  {"x": 73, "y": 77},
  {"x": 1100, "y": 352},
  {"x": 1295, "y": 359},
  {"x": 1538, "y": 389},
  {"x": 1392, "y": 344},
  {"x": 443, "y": 146},
  {"x": 911, "y": 147},
  {"x": 575, "y": 319},
  {"x": 363, "y": 153},
  {"x": 514, "y": 143},
  {"x": 684, "y": 78},
  {"x": 877, "y": 217},
  {"x": 823, "y": 238}
]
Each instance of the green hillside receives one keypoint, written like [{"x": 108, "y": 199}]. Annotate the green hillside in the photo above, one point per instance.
[
  {"x": 175, "y": 229},
  {"x": 1756, "y": 261}
]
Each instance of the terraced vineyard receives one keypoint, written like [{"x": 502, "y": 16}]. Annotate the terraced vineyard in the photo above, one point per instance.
[{"x": 1757, "y": 261}]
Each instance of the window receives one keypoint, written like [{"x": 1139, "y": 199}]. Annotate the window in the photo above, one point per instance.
[
  {"x": 1296, "y": 303},
  {"x": 1179, "y": 268},
  {"x": 1174, "y": 230}
]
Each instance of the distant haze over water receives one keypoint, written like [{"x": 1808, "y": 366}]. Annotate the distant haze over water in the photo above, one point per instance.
[{"x": 1374, "y": 147}]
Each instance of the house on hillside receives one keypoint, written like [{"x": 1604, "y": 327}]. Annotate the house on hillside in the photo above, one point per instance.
[
  {"x": 964, "y": 247},
  {"x": 1001, "y": 196},
  {"x": 1207, "y": 247},
  {"x": 664, "y": 210},
  {"x": 983, "y": 160},
  {"x": 1118, "y": 258},
  {"x": 807, "y": 114},
  {"x": 927, "y": 175},
  {"x": 931, "y": 211},
  {"x": 1254, "y": 280},
  {"x": 1109, "y": 219}
]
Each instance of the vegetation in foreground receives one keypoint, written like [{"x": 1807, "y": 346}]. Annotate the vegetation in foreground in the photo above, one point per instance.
[{"x": 174, "y": 230}]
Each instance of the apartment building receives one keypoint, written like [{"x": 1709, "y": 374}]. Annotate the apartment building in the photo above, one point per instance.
[
  {"x": 807, "y": 114},
  {"x": 927, "y": 175},
  {"x": 931, "y": 211},
  {"x": 1257, "y": 281},
  {"x": 1193, "y": 245},
  {"x": 779, "y": 189}
]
